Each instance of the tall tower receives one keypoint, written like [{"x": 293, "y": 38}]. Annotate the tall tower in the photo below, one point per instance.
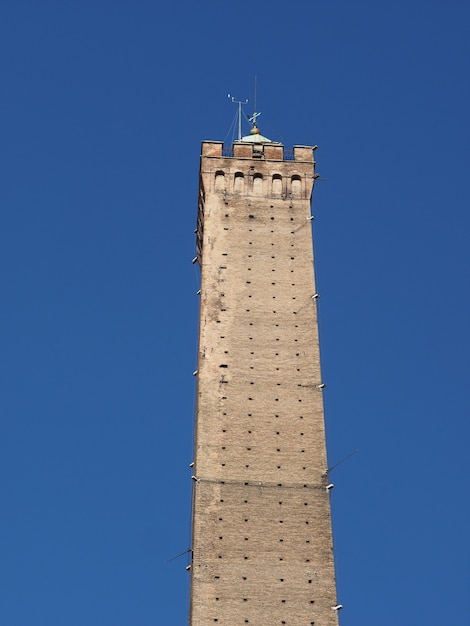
[{"x": 262, "y": 549}]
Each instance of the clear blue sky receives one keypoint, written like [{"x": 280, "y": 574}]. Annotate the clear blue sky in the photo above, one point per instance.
[{"x": 103, "y": 106}]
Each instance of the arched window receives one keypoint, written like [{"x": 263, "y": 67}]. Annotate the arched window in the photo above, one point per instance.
[
  {"x": 238, "y": 182},
  {"x": 219, "y": 181},
  {"x": 296, "y": 187},
  {"x": 258, "y": 185},
  {"x": 277, "y": 185}
]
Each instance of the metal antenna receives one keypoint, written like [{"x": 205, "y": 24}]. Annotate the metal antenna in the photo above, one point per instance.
[
  {"x": 255, "y": 115},
  {"x": 240, "y": 104},
  {"x": 255, "y": 96}
]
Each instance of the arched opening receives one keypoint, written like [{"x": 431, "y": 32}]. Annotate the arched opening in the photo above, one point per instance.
[
  {"x": 258, "y": 185},
  {"x": 219, "y": 181},
  {"x": 238, "y": 182},
  {"x": 296, "y": 186},
  {"x": 277, "y": 185}
]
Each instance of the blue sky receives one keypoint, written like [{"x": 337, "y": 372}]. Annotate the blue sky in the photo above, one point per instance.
[{"x": 103, "y": 107}]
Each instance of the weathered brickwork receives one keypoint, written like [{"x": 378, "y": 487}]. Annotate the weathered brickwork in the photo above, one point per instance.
[{"x": 262, "y": 545}]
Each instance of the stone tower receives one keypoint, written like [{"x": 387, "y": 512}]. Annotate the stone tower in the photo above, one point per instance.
[{"x": 262, "y": 549}]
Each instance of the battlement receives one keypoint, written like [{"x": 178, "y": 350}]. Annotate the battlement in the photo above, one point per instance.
[{"x": 269, "y": 151}]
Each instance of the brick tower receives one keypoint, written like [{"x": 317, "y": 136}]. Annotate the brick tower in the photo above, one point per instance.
[{"x": 262, "y": 549}]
